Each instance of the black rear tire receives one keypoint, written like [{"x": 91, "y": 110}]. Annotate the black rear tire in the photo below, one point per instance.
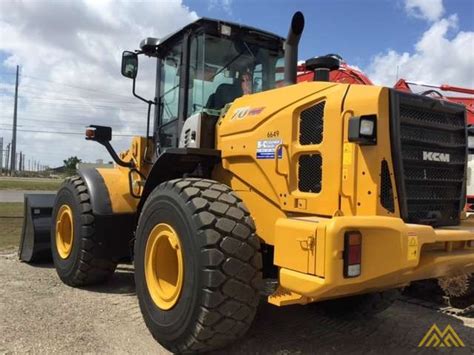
[
  {"x": 363, "y": 306},
  {"x": 222, "y": 265},
  {"x": 87, "y": 263}
]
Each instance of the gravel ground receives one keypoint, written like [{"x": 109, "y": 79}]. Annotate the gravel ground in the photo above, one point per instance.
[{"x": 38, "y": 314}]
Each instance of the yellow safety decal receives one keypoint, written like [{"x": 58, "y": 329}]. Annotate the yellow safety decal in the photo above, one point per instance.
[
  {"x": 412, "y": 247},
  {"x": 347, "y": 156}
]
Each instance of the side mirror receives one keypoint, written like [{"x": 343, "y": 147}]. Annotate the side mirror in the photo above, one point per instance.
[
  {"x": 129, "y": 64},
  {"x": 101, "y": 134}
]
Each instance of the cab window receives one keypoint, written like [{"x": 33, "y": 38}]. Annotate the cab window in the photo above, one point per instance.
[
  {"x": 169, "y": 92},
  {"x": 169, "y": 97},
  {"x": 223, "y": 69}
]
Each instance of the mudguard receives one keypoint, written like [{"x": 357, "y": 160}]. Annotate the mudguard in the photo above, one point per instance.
[{"x": 35, "y": 245}]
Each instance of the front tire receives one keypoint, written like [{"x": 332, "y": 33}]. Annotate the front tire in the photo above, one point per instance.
[
  {"x": 77, "y": 248},
  {"x": 206, "y": 226}
]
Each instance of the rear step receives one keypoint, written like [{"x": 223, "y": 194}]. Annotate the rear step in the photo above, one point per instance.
[{"x": 35, "y": 245}]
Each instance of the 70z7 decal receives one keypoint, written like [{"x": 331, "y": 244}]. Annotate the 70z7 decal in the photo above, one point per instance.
[{"x": 242, "y": 112}]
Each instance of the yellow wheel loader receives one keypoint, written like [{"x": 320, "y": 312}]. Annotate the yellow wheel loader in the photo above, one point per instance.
[{"x": 247, "y": 183}]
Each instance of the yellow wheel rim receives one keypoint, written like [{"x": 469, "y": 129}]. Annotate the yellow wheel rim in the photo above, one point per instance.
[
  {"x": 64, "y": 231},
  {"x": 164, "y": 266}
]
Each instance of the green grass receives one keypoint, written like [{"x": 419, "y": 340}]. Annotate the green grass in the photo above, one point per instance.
[
  {"x": 29, "y": 184},
  {"x": 10, "y": 228}
]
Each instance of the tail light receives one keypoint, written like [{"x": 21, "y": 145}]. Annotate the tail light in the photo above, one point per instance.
[{"x": 352, "y": 253}]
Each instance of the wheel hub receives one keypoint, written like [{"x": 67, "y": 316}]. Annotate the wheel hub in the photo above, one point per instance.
[
  {"x": 64, "y": 231},
  {"x": 164, "y": 266}
]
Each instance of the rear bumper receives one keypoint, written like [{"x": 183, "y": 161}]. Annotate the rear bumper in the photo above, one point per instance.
[{"x": 393, "y": 255}]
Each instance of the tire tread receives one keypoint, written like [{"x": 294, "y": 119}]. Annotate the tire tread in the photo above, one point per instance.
[
  {"x": 91, "y": 269},
  {"x": 232, "y": 263}
]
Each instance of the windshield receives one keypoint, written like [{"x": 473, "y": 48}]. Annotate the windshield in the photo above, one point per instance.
[{"x": 223, "y": 69}]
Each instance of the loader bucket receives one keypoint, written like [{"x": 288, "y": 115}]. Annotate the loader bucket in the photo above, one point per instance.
[{"x": 35, "y": 245}]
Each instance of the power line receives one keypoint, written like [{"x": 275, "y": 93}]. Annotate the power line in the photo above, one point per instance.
[
  {"x": 72, "y": 133},
  {"x": 72, "y": 86}
]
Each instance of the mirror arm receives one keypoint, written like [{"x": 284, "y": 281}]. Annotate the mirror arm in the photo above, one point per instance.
[
  {"x": 114, "y": 155},
  {"x": 149, "y": 102}
]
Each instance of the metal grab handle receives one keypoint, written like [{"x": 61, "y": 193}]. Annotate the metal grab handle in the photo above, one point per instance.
[{"x": 277, "y": 148}]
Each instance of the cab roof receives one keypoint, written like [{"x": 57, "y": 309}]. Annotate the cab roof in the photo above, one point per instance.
[{"x": 213, "y": 26}]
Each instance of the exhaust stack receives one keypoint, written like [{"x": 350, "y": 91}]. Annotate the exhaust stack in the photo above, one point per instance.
[{"x": 291, "y": 47}]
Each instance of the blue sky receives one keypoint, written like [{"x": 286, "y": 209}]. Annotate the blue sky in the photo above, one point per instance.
[{"x": 357, "y": 30}]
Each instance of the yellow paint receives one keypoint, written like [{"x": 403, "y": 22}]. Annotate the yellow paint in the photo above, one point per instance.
[
  {"x": 64, "y": 231},
  {"x": 282, "y": 297},
  {"x": 386, "y": 261},
  {"x": 117, "y": 179},
  {"x": 295, "y": 244},
  {"x": 164, "y": 266},
  {"x": 307, "y": 229},
  {"x": 117, "y": 182},
  {"x": 271, "y": 185}
]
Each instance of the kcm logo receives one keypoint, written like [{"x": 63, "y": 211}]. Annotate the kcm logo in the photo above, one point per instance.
[{"x": 435, "y": 338}]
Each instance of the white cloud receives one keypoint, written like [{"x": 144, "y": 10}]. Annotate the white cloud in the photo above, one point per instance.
[
  {"x": 439, "y": 57},
  {"x": 225, "y": 5},
  {"x": 430, "y": 10},
  {"x": 70, "y": 53}
]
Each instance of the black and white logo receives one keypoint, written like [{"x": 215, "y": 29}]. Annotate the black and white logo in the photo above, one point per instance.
[{"x": 434, "y": 156}]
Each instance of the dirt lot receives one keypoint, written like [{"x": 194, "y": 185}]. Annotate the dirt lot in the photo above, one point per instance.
[{"x": 39, "y": 314}]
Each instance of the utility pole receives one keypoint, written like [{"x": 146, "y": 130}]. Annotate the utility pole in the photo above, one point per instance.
[
  {"x": 8, "y": 158},
  {"x": 20, "y": 163},
  {"x": 13, "y": 154},
  {"x": 1, "y": 155}
]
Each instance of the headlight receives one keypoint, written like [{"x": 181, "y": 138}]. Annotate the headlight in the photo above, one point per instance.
[{"x": 363, "y": 129}]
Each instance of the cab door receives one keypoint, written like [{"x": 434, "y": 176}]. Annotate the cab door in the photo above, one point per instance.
[{"x": 169, "y": 100}]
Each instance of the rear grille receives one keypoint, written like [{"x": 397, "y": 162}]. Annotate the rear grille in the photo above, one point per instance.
[
  {"x": 311, "y": 124},
  {"x": 429, "y": 154},
  {"x": 310, "y": 173}
]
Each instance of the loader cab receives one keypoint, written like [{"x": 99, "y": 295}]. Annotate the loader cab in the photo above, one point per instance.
[{"x": 205, "y": 66}]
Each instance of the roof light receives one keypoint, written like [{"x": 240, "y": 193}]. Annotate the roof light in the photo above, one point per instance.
[{"x": 226, "y": 30}]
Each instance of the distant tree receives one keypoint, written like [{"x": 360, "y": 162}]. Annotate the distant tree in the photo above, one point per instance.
[{"x": 70, "y": 164}]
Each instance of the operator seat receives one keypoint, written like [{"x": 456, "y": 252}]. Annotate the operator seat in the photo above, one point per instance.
[{"x": 224, "y": 94}]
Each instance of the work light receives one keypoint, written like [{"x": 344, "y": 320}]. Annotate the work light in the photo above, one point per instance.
[
  {"x": 366, "y": 127},
  {"x": 363, "y": 130}
]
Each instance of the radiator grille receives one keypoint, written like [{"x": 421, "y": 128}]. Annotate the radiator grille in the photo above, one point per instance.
[
  {"x": 310, "y": 173},
  {"x": 311, "y": 124},
  {"x": 429, "y": 153}
]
